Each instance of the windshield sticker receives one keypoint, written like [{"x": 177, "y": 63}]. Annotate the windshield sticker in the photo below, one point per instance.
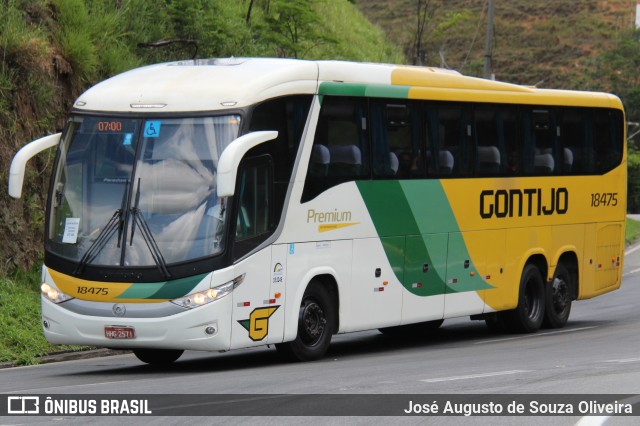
[
  {"x": 152, "y": 128},
  {"x": 128, "y": 137},
  {"x": 71, "y": 226}
]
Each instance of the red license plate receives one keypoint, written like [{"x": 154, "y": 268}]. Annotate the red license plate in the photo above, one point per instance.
[{"x": 119, "y": 333}]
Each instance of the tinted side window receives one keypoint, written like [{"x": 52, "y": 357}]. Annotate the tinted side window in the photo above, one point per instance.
[
  {"x": 497, "y": 142},
  {"x": 572, "y": 132},
  {"x": 396, "y": 140},
  {"x": 254, "y": 215},
  {"x": 288, "y": 116},
  {"x": 607, "y": 140},
  {"x": 340, "y": 152},
  {"x": 449, "y": 139}
]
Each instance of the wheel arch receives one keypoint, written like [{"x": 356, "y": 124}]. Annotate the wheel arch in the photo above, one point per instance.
[
  {"x": 326, "y": 277},
  {"x": 540, "y": 261},
  {"x": 329, "y": 282}
]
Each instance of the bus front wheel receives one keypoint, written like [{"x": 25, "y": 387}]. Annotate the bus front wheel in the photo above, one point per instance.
[
  {"x": 316, "y": 322},
  {"x": 157, "y": 356},
  {"x": 528, "y": 315}
]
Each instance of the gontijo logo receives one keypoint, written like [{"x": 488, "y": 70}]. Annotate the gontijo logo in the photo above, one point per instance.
[
  {"x": 330, "y": 220},
  {"x": 258, "y": 323},
  {"x": 523, "y": 202}
]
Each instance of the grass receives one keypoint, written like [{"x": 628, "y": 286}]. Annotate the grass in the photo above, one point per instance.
[
  {"x": 21, "y": 338},
  {"x": 632, "y": 231}
]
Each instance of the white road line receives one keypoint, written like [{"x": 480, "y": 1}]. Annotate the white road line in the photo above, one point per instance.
[
  {"x": 475, "y": 376},
  {"x": 631, "y": 272},
  {"x": 83, "y": 385},
  {"x": 632, "y": 249},
  {"x": 622, "y": 361},
  {"x": 526, "y": 336},
  {"x": 592, "y": 421}
]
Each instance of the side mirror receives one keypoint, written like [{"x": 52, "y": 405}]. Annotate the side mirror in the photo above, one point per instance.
[
  {"x": 19, "y": 162},
  {"x": 232, "y": 155}
]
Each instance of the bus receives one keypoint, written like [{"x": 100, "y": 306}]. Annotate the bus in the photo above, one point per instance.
[{"x": 215, "y": 204}]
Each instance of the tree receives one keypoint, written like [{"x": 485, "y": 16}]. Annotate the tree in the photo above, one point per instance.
[
  {"x": 430, "y": 29},
  {"x": 616, "y": 71},
  {"x": 293, "y": 27}
]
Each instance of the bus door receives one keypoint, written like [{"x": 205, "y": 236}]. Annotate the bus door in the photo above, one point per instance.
[{"x": 254, "y": 305}]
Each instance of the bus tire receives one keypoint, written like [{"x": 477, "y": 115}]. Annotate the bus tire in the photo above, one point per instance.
[
  {"x": 528, "y": 315},
  {"x": 412, "y": 330},
  {"x": 158, "y": 356},
  {"x": 316, "y": 323},
  {"x": 558, "y": 295}
]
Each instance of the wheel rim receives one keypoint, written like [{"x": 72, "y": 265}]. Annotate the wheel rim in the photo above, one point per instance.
[
  {"x": 559, "y": 294},
  {"x": 532, "y": 301},
  {"x": 312, "y": 323}
]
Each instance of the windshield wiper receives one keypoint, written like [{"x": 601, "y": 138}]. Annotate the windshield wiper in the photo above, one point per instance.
[
  {"x": 115, "y": 223},
  {"x": 147, "y": 236}
]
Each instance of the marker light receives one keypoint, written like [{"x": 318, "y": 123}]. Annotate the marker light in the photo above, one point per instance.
[
  {"x": 53, "y": 294},
  {"x": 201, "y": 298}
]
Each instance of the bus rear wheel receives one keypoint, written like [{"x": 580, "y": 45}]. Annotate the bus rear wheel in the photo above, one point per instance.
[
  {"x": 316, "y": 323},
  {"x": 158, "y": 356},
  {"x": 558, "y": 297},
  {"x": 528, "y": 315}
]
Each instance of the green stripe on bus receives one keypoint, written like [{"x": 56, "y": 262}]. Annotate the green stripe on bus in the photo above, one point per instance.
[
  {"x": 163, "y": 290},
  {"x": 419, "y": 211},
  {"x": 369, "y": 90},
  {"x": 141, "y": 290}
]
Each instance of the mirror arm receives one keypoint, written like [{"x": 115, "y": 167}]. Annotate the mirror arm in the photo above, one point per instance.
[
  {"x": 232, "y": 155},
  {"x": 19, "y": 162}
]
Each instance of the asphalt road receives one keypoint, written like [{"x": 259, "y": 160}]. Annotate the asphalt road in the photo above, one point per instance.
[{"x": 597, "y": 353}]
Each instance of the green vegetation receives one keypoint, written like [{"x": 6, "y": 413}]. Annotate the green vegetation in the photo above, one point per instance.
[
  {"x": 632, "y": 231},
  {"x": 21, "y": 338}
]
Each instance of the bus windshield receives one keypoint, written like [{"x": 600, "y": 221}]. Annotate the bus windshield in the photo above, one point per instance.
[{"x": 139, "y": 191}]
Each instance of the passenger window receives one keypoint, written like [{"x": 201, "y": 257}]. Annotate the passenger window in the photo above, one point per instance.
[
  {"x": 449, "y": 137},
  {"x": 395, "y": 135},
  {"x": 607, "y": 149},
  {"x": 497, "y": 143},
  {"x": 544, "y": 132},
  {"x": 340, "y": 152},
  {"x": 572, "y": 139}
]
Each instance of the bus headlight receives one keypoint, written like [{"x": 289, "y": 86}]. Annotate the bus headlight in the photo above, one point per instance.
[
  {"x": 201, "y": 298},
  {"x": 53, "y": 294}
]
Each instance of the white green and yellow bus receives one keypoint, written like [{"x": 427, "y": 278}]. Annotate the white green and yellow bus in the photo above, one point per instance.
[{"x": 228, "y": 203}]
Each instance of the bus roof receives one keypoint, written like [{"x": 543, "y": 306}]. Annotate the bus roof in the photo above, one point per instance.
[{"x": 217, "y": 84}]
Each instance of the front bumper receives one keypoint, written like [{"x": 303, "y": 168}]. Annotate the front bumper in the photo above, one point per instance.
[{"x": 184, "y": 330}]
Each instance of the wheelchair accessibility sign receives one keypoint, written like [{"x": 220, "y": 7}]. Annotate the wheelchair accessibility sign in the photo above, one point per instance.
[{"x": 152, "y": 129}]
